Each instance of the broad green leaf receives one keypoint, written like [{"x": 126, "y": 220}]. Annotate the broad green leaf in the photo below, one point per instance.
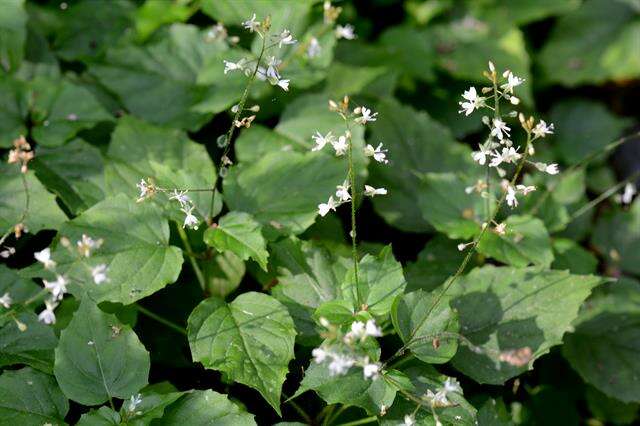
[
  {"x": 139, "y": 150},
  {"x": 61, "y": 109},
  {"x": 136, "y": 251},
  {"x": 222, "y": 273},
  {"x": 443, "y": 202},
  {"x": 13, "y": 110},
  {"x": 13, "y": 34},
  {"x": 155, "y": 13},
  {"x": 525, "y": 11},
  {"x": 307, "y": 180},
  {"x": 154, "y": 399},
  {"x": 380, "y": 279},
  {"x": 251, "y": 340},
  {"x": 98, "y": 358},
  {"x": 525, "y": 242},
  {"x": 571, "y": 256},
  {"x": 41, "y": 210},
  {"x": 201, "y": 408},
  {"x": 617, "y": 238},
  {"x": 31, "y": 398},
  {"x": 337, "y": 312},
  {"x": 411, "y": 52},
  {"x": 103, "y": 416},
  {"x": 33, "y": 346},
  {"x": 282, "y": 12},
  {"x": 417, "y": 144},
  {"x": 610, "y": 410},
  {"x": 344, "y": 78},
  {"x": 257, "y": 141},
  {"x": 74, "y": 172},
  {"x": 604, "y": 346},
  {"x": 584, "y": 48},
  {"x": 197, "y": 317},
  {"x": 19, "y": 289},
  {"x": 240, "y": 234},
  {"x": 506, "y": 309},
  {"x": 429, "y": 330}
]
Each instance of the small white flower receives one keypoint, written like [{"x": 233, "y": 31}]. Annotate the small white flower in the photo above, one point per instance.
[
  {"x": 501, "y": 228},
  {"x": 508, "y": 155},
  {"x": 473, "y": 101},
  {"x": 366, "y": 115},
  {"x": 340, "y": 365},
  {"x": 324, "y": 322},
  {"x": 8, "y": 251},
  {"x": 342, "y": 192},
  {"x": 319, "y": 355},
  {"x": 480, "y": 156},
  {"x": 284, "y": 84},
  {"x": 542, "y": 129},
  {"x": 409, "y": 420},
  {"x": 285, "y": 38},
  {"x": 378, "y": 154},
  {"x": 6, "y": 300},
  {"x": 358, "y": 329},
  {"x": 628, "y": 193},
  {"x": 58, "y": 288},
  {"x": 370, "y": 191},
  {"x": 99, "y": 274},
  {"x": 321, "y": 141},
  {"x": 86, "y": 244},
  {"x": 500, "y": 129},
  {"x": 462, "y": 246},
  {"x": 512, "y": 81},
  {"x": 145, "y": 190},
  {"x": 552, "y": 169},
  {"x": 371, "y": 329},
  {"x": 324, "y": 208},
  {"x": 190, "y": 220},
  {"x": 371, "y": 371},
  {"x": 525, "y": 189},
  {"x": 314, "y": 49},
  {"x": 512, "y": 201},
  {"x": 251, "y": 24},
  {"x": 47, "y": 316},
  {"x": 346, "y": 32},
  {"x": 234, "y": 66},
  {"x": 451, "y": 385},
  {"x": 340, "y": 146},
  {"x": 181, "y": 197},
  {"x": 134, "y": 402},
  {"x": 44, "y": 257}
]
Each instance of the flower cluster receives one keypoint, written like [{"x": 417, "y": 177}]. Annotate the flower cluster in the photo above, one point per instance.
[
  {"x": 21, "y": 154},
  {"x": 341, "y": 145},
  {"x": 148, "y": 189},
  {"x": 437, "y": 399},
  {"x": 342, "y": 351}
]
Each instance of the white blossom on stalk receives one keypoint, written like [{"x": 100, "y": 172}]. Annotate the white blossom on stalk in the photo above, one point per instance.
[
  {"x": 134, "y": 402},
  {"x": 181, "y": 197},
  {"x": 340, "y": 146},
  {"x": 346, "y": 32},
  {"x": 378, "y": 154},
  {"x": 508, "y": 155},
  {"x": 234, "y": 66},
  {"x": 512, "y": 81},
  {"x": 451, "y": 385},
  {"x": 552, "y": 169},
  {"x": 190, "y": 220},
  {"x": 58, "y": 288},
  {"x": 342, "y": 192},
  {"x": 409, "y": 420},
  {"x": 44, "y": 257},
  {"x": 285, "y": 38},
  {"x": 366, "y": 115},
  {"x": 512, "y": 201},
  {"x": 47, "y": 316},
  {"x": 480, "y": 156},
  {"x": 627, "y": 195},
  {"x": 314, "y": 49},
  {"x": 501, "y": 228},
  {"x": 371, "y": 329},
  {"x": 340, "y": 364},
  {"x": 86, "y": 244},
  {"x": 500, "y": 129},
  {"x": 6, "y": 300},
  {"x": 319, "y": 355},
  {"x": 371, "y": 371},
  {"x": 324, "y": 208},
  {"x": 251, "y": 24},
  {"x": 321, "y": 141},
  {"x": 525, "y": 189},
  {"x": 8, "y": 251},
  {"x": 370, "y": 191},
  {"x": 542, "y": 129},
  {"x": 473, "y": 101},
  {"x": 99, "y": 274},
  {"x": 145, "y": 189}
]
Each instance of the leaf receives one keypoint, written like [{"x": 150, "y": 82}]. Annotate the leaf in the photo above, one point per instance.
[
  {"x": 526, "y": 11},
  {"x": 608, "y": 409},
  {"x": 20, "y": 289},
  {"x": 604, "y": 346},
  {"x": 571, "y": 256},
  {"x": 205, "y": 408},
  {"x": 74, "y": 172},
  {"x": 251, "y": 340},
  {"x": 380, "y": 279},
  {"x": 617, "y": 237},
  {"x": 223, "y": 273},
  {"x": 13, "y": 34},
  {"x": 103, "y": 416},
  {"x": 256, "y": 188},
  {"x": 240, "y": 234},
  {"x": 61, "y": 109},
  {"x": 31, "y": 398},
  {"x": 420, "y": 323},
  {"x": 502, "y": 309},
  {"x": 582, "y": 45},
  {"x": 136, "y": 251},
  {"x": 154, "y": 14},
  {"x": 154, "y": 400},
  {"x": 33, "y": 346},
  {"x": 42, "y": 211},
  {"x": 525, "y": 242},
  {"x": 98, "y": 358},
  {"x": 13, "y": 109},
  {"x": 417, "y": 144}
]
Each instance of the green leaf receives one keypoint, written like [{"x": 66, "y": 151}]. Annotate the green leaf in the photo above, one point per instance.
[
  {"x": 74, "y": 172},
  {"x": 256, "y": 188},
  {"x": 136, "y": 251},
  {"x": 222, "y": 273},
  {"x": 61, "y": 109},
  {"x": 200, "y": 408},
  {"x": 240, "y": 234},
  {"x": 525, "y": 242},
  {"x": 617, "y": 238},
  {"x": 506, "y": 309},
  {"x": 502, "y": 11},
  {"x": 103, "y": 416},
  {"x": 571, "y": 256},
  {"x": 20, "y": 289},
  {"x": 33, "y": 346},
  {"x": 417, "y": 320},
  {"x": 13, "y": 34},
  {"x": 608, "y": 409},
  {"x": 154, "y": 399},
  {"x": 251, "y": 340},
  {"x": 13, "y": 110},
  {"x": 380, "y": 279},
  {"x": 153, "y": 14},
  {"x": 282, "y": 12},
  {"x": 42, "y": 211},
  {"x": 410, "y": 51},
  {"x": 583, "y": 48},
  {"x": 29, "y": 397},
  {"x": 98, "y": 358},
  {"x": 417, "y": 144},
  {"x": 605, "y": 344}
]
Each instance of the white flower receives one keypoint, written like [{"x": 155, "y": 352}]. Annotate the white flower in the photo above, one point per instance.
[
  {"x": 181, "y": 197},
  {"x": 319, "y": 355},
  {"x": 370, "y": 191},
  {"x": 134, "y": 402},
  {"x": 340, "y": 145},
  {"x": 324, "y": 208},
  {"x": 409, "y": 420},
  {"x": 501, "y": 228},
  {"x": 525, "y": 189},
  {"x": 366, "y": 115},
  {"x": 371, "y": 371},
  {"x": 314, "y": 48},
  {"x": 321, "y": 141},
  {"x": 234, "y": 66},
  {"x": 284, "y": 84},
  {"x": 99, "y": 274},
  {"x": 462, "y": 246},
  {"x": 552, "y": 169},
  {"x": 500, "y": 129},
  {"x": 512, "y": 81},
  {"x": 340, "y": 365},
  {"x": 371, "y": 329},
  {"x": 58, "y": 287},
  {"x": 145, "y": 190},
  {"x": 542, "y": 129},
  {"x": 251, "y": 25},
  {"x": 342, "y": 192},
  {"x": 86, "y": 244},
  {"x": 508, "y": 155},
  {"x": 285, "y": 37},
  {"x": 358, "y": 329},
  {"x": 378, "y": 154},
  {"x": 473, "y": 101},
  {"x": 451, "y": 385},
  {"x": 480, "y": 156},
  {"x": 512, "y": 201},
  {"x": 44, "y": 257},
  {"x": 47, "y": 316},
  {"x": 190, "y": 221},
  {"x": 629, "y": 191},
  {"x": 346, "y": 32},
  {"x": 8, "y": 251},
  {"x": 6, "y": 300}
]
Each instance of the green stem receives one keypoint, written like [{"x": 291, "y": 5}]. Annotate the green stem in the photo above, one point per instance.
[
  {"x": 161, "y": 320},
  {"x": 352, "y": 183},
  {"x": 606, "y": 194},
  {"x": 364, "y": 421},
  {"x": 334, "y": 415},
  {"x": 300, "y": 411},
  {"x": 194, "y": 263}
]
